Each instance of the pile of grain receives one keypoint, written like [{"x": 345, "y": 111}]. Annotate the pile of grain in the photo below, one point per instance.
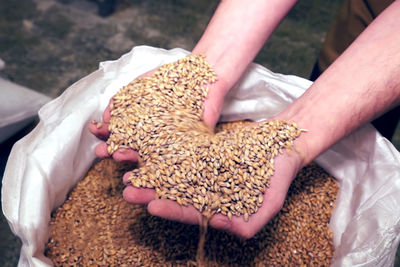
[
  {"x": 95, "y": 226},
  {"x": 160, "y": 116}
]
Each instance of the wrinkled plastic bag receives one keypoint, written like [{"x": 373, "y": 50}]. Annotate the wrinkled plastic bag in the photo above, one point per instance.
[
  {"x": 18, "y": 106},
  {"x": 48, "y": 162}
]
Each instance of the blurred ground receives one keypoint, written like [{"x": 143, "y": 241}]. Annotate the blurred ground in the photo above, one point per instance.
[{"x": 49, "y": 44}]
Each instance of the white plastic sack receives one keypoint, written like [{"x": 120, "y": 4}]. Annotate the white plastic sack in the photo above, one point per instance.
[
  {"x": 2, "y": 64},
  {"x": 45, "y": 165},
  {"x": 18, "y": 106}
]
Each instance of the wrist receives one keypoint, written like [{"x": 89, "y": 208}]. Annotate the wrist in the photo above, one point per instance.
[
  {"x": 217, "y": 90},
  {"x": 319, "y": 127},
  {"x": 309, "y": 144},
  {"x": 228, "y": 72}
]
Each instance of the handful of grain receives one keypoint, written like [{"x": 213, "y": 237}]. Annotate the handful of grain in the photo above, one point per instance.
[
  {"x": 96, "y": 227},
  {"x": 181, "y": 158}
]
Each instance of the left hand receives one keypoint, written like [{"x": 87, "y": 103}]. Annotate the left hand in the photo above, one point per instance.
[{"x": 286, "y": 167}]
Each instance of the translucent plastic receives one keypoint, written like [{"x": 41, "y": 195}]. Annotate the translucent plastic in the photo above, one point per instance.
[{"x": 18, "y": 106}]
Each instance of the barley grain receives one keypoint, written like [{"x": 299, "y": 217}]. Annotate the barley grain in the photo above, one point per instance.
[{"x": 104, "y": 230}]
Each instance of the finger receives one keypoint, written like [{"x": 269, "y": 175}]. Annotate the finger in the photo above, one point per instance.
[
  {"x": 272, "y": 203},
  {"x": 213, "y": 105},
  {"x": 101, "y": 150},
  {"x": 121, "y": 155},
  {"x": 274, "y": 198},
  {"x": 221, "y": 222},
  {"x": 126, "y": 155},
  {"x": 211, "y": 112},
  {"x": 125, "y": 178},
  {"x": 171, "y": 210},
  {"x": 138, "y": 195},
  {"x": 100, "y": 130},
  {"x": 237, "y": 226},
  {"x": 147, "y": 74},
  {"x": 107, "y": 114}
]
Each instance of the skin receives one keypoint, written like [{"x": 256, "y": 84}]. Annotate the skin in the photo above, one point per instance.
[{"x": 360, "y": 85}]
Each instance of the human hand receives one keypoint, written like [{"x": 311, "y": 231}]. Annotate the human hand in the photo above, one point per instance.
[
  {"x": 137, "y": 195},
  {"x": 286, "y": 167},
  {"x": 180, "y": 111},
  {"x": 181, "y": 209},
  {"x": 212, "y": 107},
  {"x": 101, "y": 131}
]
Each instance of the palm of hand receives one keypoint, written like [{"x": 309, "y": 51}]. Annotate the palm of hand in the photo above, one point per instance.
[
  {"x": 209, "y": 180},
  {"x": 177, "y": 199}
]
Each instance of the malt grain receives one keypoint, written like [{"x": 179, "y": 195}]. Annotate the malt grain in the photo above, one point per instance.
[
  {"x": 182, "y": 159},
  {"x": 95, "y": 226}
]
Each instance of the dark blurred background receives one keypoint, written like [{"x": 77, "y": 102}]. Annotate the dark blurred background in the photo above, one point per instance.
[{"x": 49, "y": 44}]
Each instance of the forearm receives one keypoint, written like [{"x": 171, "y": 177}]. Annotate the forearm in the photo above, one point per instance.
[
  {"x": 236, "y": 33},
  {"x": 360, "y": 85}
]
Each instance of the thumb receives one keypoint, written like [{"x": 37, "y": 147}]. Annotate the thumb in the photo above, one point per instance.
[{"x": 212, "y": 105}]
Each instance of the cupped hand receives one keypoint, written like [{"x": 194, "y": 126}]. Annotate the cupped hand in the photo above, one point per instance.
[
  {"x": 101, "y": 131},
  {"x": 212, "y": 107},
  {"x": 286, "y": 167}
]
